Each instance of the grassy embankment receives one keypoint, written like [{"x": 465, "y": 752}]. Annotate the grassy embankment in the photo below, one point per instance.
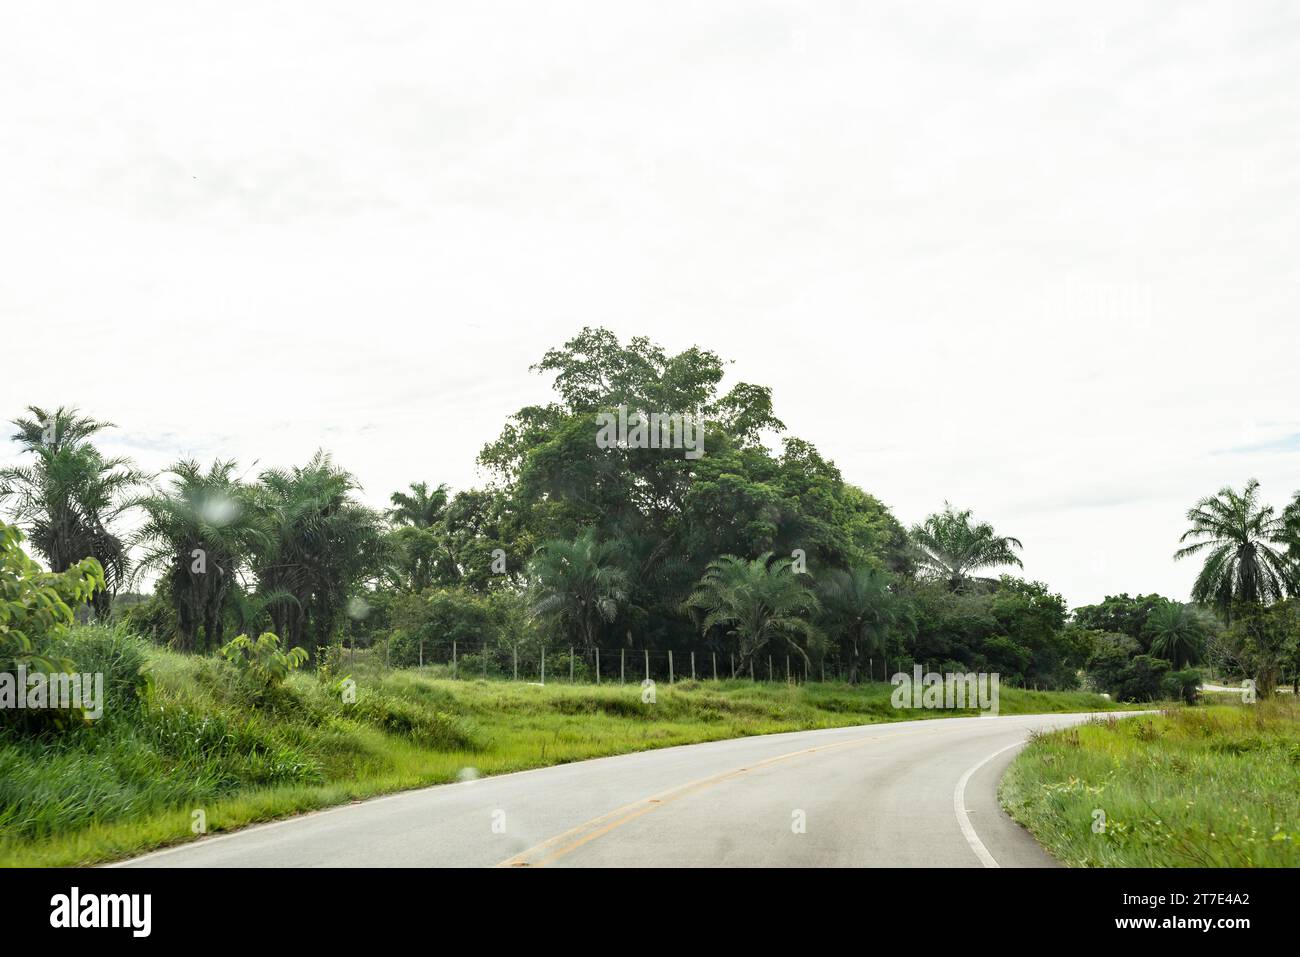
[
  {"x": 1214, "y": 786},
  {"x": 132, "y": 782}
]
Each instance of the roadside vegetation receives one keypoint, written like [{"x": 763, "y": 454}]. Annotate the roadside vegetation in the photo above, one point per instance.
[
  {"x": 1216, "y": 786},
  {"x": 212, "y": 735}
]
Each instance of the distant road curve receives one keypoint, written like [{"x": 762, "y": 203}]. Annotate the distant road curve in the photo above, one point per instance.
[{"x": 914, "y": 793}]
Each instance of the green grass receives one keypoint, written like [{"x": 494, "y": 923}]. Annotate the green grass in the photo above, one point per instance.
[
  {"x": 1215, "y": 786},
  {"x": 132, "y": 782}
]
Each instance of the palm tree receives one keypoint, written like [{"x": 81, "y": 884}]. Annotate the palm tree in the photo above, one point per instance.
[
  {"x": 858, "y": 606},
  {"x": 1291, "y": 524},
  {"x": 1179, "y": 633},
  {"x": 71, "y": 496},
  {"x": 421, "y": 508},
  {"x": 199, "y": 534},
  {"x": 949, "y": 547},
  {"x": 1246, "y": 563},
  {"x": 418, "y": 542},
  {"x": 321, "y": 545},
  {"x": 576, "y": 586},
  {"x": 757, "y": 602}
]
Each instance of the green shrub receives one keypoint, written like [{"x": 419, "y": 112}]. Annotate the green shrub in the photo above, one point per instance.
[
  {"x": 438, "y": 617},
  {"x": 153, "y": 619},
  {"x": 262, "y": 659},
  {"x": 1182, "y": 685},
  {"x": 36, "y": 610},
  {"x": 1142, "y": 679},
  {"x": 118, "y": 656},
  {"x": 1111, "y": 654}
]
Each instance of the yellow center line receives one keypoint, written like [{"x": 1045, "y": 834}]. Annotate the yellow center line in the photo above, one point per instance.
[{"x": 597, "y": 827}]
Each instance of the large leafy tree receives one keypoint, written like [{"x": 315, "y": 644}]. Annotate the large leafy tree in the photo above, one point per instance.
[
  {"x": 950, "y": 547},
  {"x": 321, "y": 546},
  {"x": 487, "y": 538},
  {"x": 198, "y": 534},
  {"x": 858, "y": 609},
  {"x": 1244, "y": 543},
  {"x": 1178, "y": 633},
  {"x": 476, "y": 539},
  {"x": 672, "y": 513},
  {"x": 758, "y": 602},
  {"x": 1122, "y": 614},
  {"x": 1031, "y": 620},
  {"x": 577, "y": 586},
  {"x": 71, "y": 498}
]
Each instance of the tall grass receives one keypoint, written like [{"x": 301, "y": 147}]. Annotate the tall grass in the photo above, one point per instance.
[{"x": 1198, "y": 787}]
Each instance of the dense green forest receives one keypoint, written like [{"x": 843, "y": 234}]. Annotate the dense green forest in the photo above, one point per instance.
[{"x": 759, "y": 548}]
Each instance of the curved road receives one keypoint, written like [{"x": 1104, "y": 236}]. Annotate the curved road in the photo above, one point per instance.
[{"x": 915, "y": 793}]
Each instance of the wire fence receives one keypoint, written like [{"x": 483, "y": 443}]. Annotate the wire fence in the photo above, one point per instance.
[
  {"x": 536, "y": 665},
  {"x": 574, "y": 665}
]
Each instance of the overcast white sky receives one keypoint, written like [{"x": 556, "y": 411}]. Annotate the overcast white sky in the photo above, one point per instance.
[{"x": 1042, "y": 263}]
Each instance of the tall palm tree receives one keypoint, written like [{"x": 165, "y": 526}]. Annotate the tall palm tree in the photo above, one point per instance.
[
  {"x": 1179, "y": 633},
  {"x": 71, "y": 497},
  {"x": 1291, "y": 526},
  {"x": 757, "y": 602},
  {"x": 321, "y": 545},
  {"x": 421, "y": 508},
  {"x": 858, "y": 606},
  {"x": 949, "y": 547},
  {"x": 419, "y": 554},
  {"x": 575, "y": 587},
  {"x": 199, "y": 534},
  {"x": 1246, "y": 563}
]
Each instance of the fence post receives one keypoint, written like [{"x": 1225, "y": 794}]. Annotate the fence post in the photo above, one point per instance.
[
  {"x": 454, "y": 672},
  {"x": 692, "y": 666},
  {"x": 421, "y": 652},
  {"x": 715, "y": 664},
  {"x": 647, "y": 664},
  {"x": 823, "y": 669},
  {"x": 597, "y": 666},
  {"x": 751, "y": 669},
  {"x": 670, "y": 666},
  {"x": 769, "y": 667},
  {"x": 543, "y": 666},
  {"x": 622, "y": 660},
  {"x": 787, "y": 668},
  {"x": 570, "y": 664}
]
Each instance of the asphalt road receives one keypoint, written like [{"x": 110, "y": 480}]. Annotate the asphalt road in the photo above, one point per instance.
[{"x": 916, "y": 793}]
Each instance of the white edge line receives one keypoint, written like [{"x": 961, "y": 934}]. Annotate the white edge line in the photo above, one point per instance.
[
  {"x": 959, "y": 793},
  {"x": 963, "y": 819}
]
